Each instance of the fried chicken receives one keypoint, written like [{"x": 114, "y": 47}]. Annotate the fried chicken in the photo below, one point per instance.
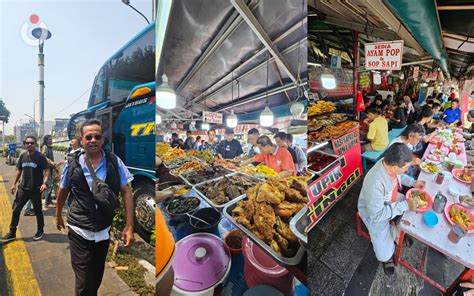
[
  {"x": 286, "y": 209},
  {"x": 295, "y": 196},
  {"x": 265, "y": 220},
  {"x": 281, "y": 241},
  {"x": 269, "y": 194},
  {"x": 300, "y": 186},
  {"x": 284, "y": 229}
]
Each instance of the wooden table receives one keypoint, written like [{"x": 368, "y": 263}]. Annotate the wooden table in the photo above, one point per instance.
[{"x": 437, "y": 238}]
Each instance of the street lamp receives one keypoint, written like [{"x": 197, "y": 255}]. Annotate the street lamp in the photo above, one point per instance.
[
  {"x": 127, "y": 2},
  {"x": 42, "y": 35}
]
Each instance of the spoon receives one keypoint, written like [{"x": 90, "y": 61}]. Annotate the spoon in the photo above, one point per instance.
[{"x": 199, "y": 219}]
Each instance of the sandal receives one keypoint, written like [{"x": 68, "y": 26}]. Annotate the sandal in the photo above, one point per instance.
[{"x": 389, "y": 267}]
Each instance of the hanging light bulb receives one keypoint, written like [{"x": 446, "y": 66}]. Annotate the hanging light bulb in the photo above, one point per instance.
[
  {"x": 157, "y": 118},
  {"x": 165, "y": 95},
  {"x": 232, "y": 120},
  {"x": 328, "y": 80},
  {"x": 297, "y": 109},
  {"x": 205, "y": 126},
  {"x": 266, "y": 117}
]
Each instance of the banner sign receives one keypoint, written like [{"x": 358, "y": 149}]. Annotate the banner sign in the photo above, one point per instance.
[
  {"x": 341, "y": 90},
  {"x": 384, "y": 55},
  {"x": 212, "y": 117},
  {"x": 332, "y": 185}
]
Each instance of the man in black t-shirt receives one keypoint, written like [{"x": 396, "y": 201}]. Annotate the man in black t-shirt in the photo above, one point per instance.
[
  {"x": 230, "y": 148},
  {"x": 33, "y": 168}
]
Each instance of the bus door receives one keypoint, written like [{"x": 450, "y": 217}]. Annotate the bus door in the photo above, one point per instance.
[{"x": 105, "y": 116}]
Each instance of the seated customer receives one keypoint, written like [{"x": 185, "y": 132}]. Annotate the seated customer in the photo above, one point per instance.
[
  {"x": 399, "y": 119},
  {"x": 378, "y": 131},
  {"x": 411, "y": 136},
  {"x": 453, "y": 115},
  {"x": 469, "y": 132},
  {"x": 279, "y": 159},
  {"x": 380, "y": 201}
]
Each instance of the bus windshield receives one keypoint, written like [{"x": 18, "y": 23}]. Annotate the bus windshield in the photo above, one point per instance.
[{"x": 130, "y": 67}]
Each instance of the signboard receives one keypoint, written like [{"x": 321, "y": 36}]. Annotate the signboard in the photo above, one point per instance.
[
  {"x": 331, "y": 186},
  {"x": 384, "y": 55},
  {"x": 341, "y": 90},
  {"x": 212, "y": 117}
]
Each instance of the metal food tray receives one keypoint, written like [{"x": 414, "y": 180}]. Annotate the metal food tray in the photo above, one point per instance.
[
  {"x": 171, "y": 167},
  {"x": 320, "y": 172},
  {"x": 298, "y": 226},
  {"x": 222, "y": 206},
  {"x": 184, "y": 175},
  {"x": 284, "y": 261},
  {"x": 317, "y": 145}
]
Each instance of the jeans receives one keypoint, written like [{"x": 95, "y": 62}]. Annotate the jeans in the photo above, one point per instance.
[
  {"x": 47, "y": 193},
  {"x": 21, "y": 198}
]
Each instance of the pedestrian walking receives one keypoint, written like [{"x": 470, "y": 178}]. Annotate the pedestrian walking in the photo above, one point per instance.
[
  {"x": 47, "y": 150},
  {"x": 93, "y": 177},
  {"x": 33, "y": 169}
]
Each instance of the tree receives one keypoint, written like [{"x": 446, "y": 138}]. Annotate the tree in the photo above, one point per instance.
[
  {"x": 4, "y": 112},
  {"x": 10, "y": 138}
]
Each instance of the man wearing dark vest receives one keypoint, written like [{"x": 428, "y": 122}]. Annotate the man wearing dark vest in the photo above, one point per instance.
[{"x": 89, "y": 226}]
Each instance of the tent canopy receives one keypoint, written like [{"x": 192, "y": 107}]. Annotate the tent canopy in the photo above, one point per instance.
[{"x": 208, "y": 44}]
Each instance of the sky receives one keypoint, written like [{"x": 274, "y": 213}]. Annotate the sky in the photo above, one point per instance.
[{"x": 84, "y": 35}]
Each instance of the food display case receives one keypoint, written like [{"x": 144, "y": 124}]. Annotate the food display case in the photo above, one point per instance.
[{"x": 334, "y": 156}]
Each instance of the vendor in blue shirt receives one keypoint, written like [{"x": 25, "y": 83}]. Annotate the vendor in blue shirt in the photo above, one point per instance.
[
  {"x": 453, "y": 114},
  {"x": 229, "y": 148}
]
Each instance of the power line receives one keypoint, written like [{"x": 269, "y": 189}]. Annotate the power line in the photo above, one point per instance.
[{"x": 72, "y": 103}]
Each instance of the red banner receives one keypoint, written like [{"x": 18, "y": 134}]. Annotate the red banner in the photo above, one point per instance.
[{"x": 331, "y": 187}]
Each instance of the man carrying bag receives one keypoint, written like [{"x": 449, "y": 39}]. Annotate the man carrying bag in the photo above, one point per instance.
[{"x": 94, "y": 178}]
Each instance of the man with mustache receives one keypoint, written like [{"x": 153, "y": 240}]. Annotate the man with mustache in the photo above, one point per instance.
[{"x": 88, "y": 222}]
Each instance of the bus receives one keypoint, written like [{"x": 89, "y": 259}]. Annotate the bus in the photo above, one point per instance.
[{"x": 123, "y": 98}]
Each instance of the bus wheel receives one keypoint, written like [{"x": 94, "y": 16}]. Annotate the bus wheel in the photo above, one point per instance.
[{"x": 144, "y": 205}]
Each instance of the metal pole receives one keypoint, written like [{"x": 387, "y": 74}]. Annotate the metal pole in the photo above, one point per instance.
[
  {"x": 355, "y": 85},
  {"x": 3, "y": 132},
  {"x": 41, "y": 91}
]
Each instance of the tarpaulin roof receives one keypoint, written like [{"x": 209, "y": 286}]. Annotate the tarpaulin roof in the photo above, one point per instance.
[{"x": 207, "y": 40}]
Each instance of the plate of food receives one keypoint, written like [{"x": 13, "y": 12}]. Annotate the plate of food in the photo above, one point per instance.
[
  {"x": 462, "y": 176},
  {"x": 439, "y": 152},
  {"x": 429, "y": 167},
  {"x": 459, "y": 214},
  {"x": 424, "y": 199},
  {"x": 434, "y": 158}
]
